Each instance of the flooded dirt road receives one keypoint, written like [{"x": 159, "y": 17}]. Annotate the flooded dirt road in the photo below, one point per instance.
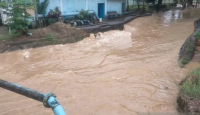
[{"x": 130, "y": 72}]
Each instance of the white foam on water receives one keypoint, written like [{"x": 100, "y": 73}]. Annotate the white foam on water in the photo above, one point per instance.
[{"x": 26, "y": 54}]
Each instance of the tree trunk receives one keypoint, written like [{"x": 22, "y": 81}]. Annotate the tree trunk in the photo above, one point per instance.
[
  {"x": 143, "y": 5},
  {"x": 158, "y": 5},
  {"x": 184, "y": 3},
  {"x": 138, "y": 3}
]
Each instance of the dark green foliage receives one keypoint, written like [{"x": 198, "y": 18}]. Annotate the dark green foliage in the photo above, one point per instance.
[
  {"x": 8, "y": 37},
  {"x": 189, "y": 48},
  {"x": 127, "y": 6},
  {"x": 197, "y": 34},
  {"x": 183, "y": 62},
  {"x": 83, "y": 15},
  {"x": 54, "y": 13},
  {"x": 42, "y": 7},
  {"x": 16, "y": 10},
  {"x": 187, "y": 51},
  {"x": 150, "y": 1},
  {"x": 51, "y": 37},
  {"x": 49, "y": 21},
  {"x": 175, "y": 1}
]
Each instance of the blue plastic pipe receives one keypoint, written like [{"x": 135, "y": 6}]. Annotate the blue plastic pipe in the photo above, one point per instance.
[
  {"x": 49, "y": 100},
  {"x": 56, "y": 107}
]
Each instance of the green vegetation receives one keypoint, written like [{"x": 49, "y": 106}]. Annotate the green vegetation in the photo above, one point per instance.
[
  {"x": 190, "y": 47},
  {"x": 49, "y": 21},
  {"x": 149, "y": 5},
  {"x": 151, "y": 1},
  {"x": 183, "y": 62},
  {"x": 175, "y": 2},
  {"x": 50, "y": 37},
  {"x": 191, "y": 84},
  {"x": 19, "y": 18},
  {"x": 54, "y": 13},
  {"x": 127, "y": 7},
  {"x": 146, "y": 8},
  {"x": 8, "y": 37},
  {"x": 42, "y": 7},
  {"x": 83, "y": 14},
  {"x": 197, "y": 34}
]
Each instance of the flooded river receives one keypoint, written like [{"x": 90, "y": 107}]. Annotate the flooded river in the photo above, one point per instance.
[{"x": 129, "y": 72}]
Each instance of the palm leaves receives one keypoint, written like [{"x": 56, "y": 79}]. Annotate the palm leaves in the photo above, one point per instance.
[{"x": 42, "y": 7}]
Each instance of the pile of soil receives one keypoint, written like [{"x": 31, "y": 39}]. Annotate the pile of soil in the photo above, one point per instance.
[
  {"x": 57, "y": 33},
  {"x": 59, "y": 30}
]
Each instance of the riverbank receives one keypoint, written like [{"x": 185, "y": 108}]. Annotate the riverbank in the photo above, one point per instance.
[
  {"x": 56, "y": 34},
  {"x": 113, "y": 25},
  {"x": 188, "y": 49},
  {"x": 189, "y": 94}
]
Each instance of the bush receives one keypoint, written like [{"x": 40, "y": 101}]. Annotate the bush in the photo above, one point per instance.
[
  {"x": 191, "y": 84},
  {"x": 49, "y": 21},
  {"x": 83, "y": 15},
  {"x": 51, "y": 38},
  {"x": 197, "y": 34},
  {"x": 54, "y": 13}
]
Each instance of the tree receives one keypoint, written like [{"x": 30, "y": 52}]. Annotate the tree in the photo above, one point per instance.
[
  {"x": 158, "y": 5},
  {"x": 127, "y": 6},
  {"x": 138, "y": 4},
  {"x": 151, "y": 1},
  {"x": 18, "y": 17},
  {"x": 42, "y": 7},
  {"x": 189, "y": 3},
  {"x": 143, "y": 5}
]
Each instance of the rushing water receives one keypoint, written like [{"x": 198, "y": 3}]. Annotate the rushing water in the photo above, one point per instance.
[{"x": 130, "y": 72}]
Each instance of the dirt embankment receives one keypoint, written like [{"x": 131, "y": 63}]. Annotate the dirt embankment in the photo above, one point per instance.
[
  {"x": 189, "y": 95},
  {"x": 57, "y": 33}
]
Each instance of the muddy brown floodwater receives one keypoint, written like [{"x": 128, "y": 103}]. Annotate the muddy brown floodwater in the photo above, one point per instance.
[{"x": 129, "y": 72}]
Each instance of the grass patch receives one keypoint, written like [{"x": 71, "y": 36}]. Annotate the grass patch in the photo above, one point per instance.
[
  {"x": 191, "y": 84},
  {"x": 183, "y": 62},
  {"x": 51, "y": 37},
  {"x": 8, "y": 37}
]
